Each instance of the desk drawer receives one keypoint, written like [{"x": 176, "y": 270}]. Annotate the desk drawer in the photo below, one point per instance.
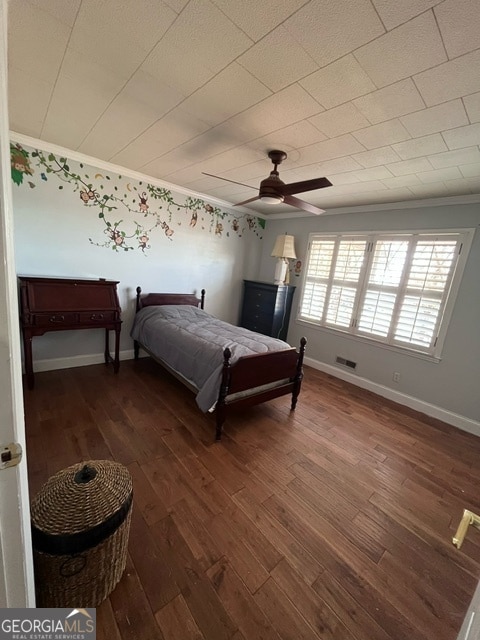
[
  {"x": 91, "y": 317},
  {"x": 54, "y": 319}
]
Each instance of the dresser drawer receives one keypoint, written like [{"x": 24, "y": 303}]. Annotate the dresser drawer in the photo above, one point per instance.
[
  {"x": 258, "y": 325},
  {"x": 87, "y": 317},
  {"x": 260, "y": 300},
  {"x": 54, "y": 319}
]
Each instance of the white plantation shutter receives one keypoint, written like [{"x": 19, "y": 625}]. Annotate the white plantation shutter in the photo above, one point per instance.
[
  {"x": 428, "y": 283},
  {"x": 349, "y": 259},
  {"x": 393, "y": 288},
  {"x": 318, "y": 275},
  {"x": 383, "y": 281}
]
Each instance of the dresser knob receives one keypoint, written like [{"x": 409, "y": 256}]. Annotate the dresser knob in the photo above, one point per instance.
[{"x": 57, "y": 319}]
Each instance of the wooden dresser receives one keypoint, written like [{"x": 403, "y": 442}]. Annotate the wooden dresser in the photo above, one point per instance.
[
  {"x": 61, "y": 304},
  {"x": 266, "y": 308}
]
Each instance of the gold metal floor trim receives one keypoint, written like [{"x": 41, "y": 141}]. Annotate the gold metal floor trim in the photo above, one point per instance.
[{"x": 468, "y": 519}]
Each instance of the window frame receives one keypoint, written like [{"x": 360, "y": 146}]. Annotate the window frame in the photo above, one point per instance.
[{"x": 448, "y": 296}]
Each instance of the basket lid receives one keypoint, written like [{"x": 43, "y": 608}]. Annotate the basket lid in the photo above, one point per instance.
[{"x": 81, "y": 497}]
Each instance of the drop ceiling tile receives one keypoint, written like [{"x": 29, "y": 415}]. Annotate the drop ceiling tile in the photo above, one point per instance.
[
  {"x": 338, "y": 82},
  {"x": 409, "y": 166},
  {"x": 343, "y": 178},
  {"x": 250, "y": 172},
  {"x": 133, "y": 32},
  {"x": 383, "y": 134},
  {"x": 29, "y": 97},
  {"x": 339, "y": 120},
  {"x": 278, "y": 60},
  {"x": 443, "y": 116},
  {"x": 66, "y": 12},
  {"x": 83, "y": 90},
  {"x": 455, "y": 158},
  {"x": 338, "y": 165},
  {"x": 470, "y": 170},
  {"x": 230, "y": 92},
  {"x": 393, "y": 12},
  {"x": 462, "y": 186},
  {"x": 390, "y": 102},
  {"x": 202, "y": 30},
  {"x": 438, "y": 175},
  {"x": 174, "y": 129},
  {"x": 463, "y": 136},
  {"x": 329, "y": 149},
  {"x": 258, "y": 18},
  {"x": 36, "y": 42},
  {"x": 174, "y": 66},
  {"x": 389, "y": 195},
  {"x": 290, "y": 138},
  {"x": 401, "y": 181},
  {"x": 375, "y": 173},
  {"x": 284, "y": 108},
  {"x": 406, "y": 50},
  {"x": 176, "y": 5},
  {"x": 420, "y": 147},
  {"x": 233, "y": 159},
  {"x": 431, "y": 190},
  {"x": 125, "y": 119},
  {"x": 450, "y": 80},
  {"x": 376, "y": 157},
  {"x": 146, "y": 89},
  {"x": 472, "y": 105},
  {"x": 459, "y": 21},
  {"x": 358, "y": 187},
  {"x": 334, "y": 31}
]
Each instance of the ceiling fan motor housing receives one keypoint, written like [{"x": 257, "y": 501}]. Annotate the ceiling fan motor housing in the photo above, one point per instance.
[{"x": 271, "y": 187}]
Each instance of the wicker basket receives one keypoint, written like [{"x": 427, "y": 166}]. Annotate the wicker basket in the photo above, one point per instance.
[{"x": 80, "y": 526}]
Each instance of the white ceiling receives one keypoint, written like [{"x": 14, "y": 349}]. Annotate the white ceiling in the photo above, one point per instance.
[{"x": 380, "y": 96}]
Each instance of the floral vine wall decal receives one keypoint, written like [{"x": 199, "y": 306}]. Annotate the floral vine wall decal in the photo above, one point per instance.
[{"x": 129, "y": 211}]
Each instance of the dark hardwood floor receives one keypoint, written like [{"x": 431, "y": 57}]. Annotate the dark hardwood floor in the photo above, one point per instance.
[{"x": 332, "y": 522}]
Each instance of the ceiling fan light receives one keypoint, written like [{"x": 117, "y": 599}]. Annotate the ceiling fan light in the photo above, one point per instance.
[{"x": 271, "y": 199}]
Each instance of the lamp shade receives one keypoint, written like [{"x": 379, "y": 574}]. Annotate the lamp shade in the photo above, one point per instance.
[{"x": 284, "y": 247}]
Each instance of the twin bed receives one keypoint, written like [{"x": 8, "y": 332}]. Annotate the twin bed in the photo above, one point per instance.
[{"x": 224, "y": 365}]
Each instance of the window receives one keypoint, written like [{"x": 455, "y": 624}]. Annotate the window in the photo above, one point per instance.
[{"x": 390, "y": 288}]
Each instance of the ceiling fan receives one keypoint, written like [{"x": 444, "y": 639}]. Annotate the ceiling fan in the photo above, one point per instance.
[{"x": 274, "y": 191}]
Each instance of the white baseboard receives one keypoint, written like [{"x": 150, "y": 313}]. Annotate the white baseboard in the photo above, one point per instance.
[
  {"x": 456, "y": 420},
  {"x": 77, "y": 361}
]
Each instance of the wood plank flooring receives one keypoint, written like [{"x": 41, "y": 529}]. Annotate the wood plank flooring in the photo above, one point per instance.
[{"x": 332, "y": 522}]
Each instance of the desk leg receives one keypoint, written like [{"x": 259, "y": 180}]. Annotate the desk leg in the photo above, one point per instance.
[
  {"x": 27, "y": 353},
  {"x": 116, "y": 362},
  {"x": 107, "y": 348}
]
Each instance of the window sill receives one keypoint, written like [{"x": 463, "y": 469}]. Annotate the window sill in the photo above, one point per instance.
[{"x": 404, "y": 351}]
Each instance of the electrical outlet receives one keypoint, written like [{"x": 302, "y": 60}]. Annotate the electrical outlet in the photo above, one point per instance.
[{"x": 396, "y": 376}]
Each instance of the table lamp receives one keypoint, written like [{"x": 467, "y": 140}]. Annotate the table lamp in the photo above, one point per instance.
[{"x": 284, "y": 250}]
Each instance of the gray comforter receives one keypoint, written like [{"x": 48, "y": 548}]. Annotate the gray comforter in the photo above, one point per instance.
[{"x": 191, "y": 342}]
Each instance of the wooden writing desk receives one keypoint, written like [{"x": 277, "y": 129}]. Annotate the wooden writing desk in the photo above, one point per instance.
[{"x": 61, "y": 304}]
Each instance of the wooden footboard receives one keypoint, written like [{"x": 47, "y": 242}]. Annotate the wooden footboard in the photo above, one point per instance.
[{"x": 263, "y": 376}]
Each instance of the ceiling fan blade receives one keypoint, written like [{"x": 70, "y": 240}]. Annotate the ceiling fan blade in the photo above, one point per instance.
[
  {"x": 305, "y": 185},
  {"x": 246, "y": 201},
  {"x": 234, "y": 181},
  {"x": 301, "y": 204}
]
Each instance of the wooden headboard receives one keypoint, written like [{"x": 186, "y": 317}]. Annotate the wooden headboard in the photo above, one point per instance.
[{"x": 150, "y": 299}]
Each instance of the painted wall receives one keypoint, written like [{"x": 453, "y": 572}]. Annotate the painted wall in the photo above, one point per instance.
[
  {"x": 453, "y": 383},
  {"x": 77, "y": 220}
]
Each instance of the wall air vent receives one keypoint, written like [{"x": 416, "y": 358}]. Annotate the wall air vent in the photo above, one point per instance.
[{"x": 345, "y": 362}]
